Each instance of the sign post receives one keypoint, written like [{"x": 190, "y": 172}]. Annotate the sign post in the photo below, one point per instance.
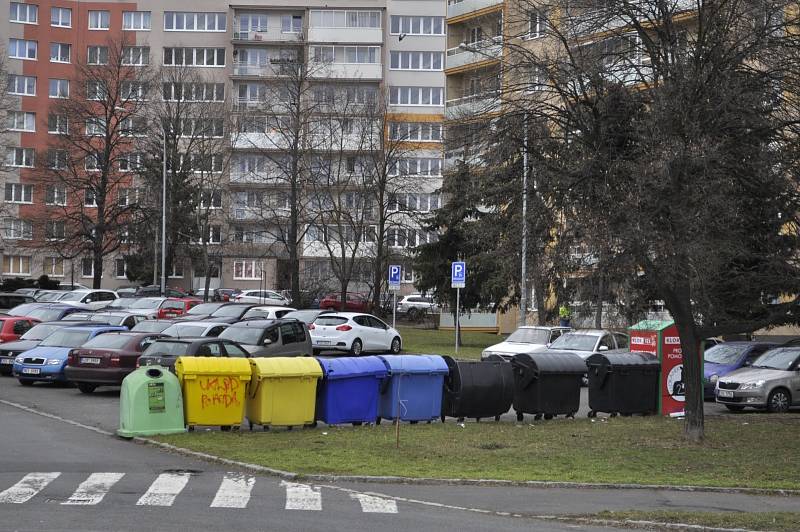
[
  {"x": 458, "y": 280},
  {"x": 394, "y": 286}
]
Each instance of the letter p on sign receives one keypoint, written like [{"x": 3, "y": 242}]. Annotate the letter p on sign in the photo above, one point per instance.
[
  {"x": 458, "y": 275},
  {"x": 394, "y": 276}
]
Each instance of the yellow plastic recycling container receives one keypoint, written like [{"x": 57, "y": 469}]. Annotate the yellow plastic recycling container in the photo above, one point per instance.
[
  {"x": 283, "y": 391},
  {"x": 214, "y": 389}
]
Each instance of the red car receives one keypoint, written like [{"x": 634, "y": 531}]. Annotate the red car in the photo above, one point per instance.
[
  {"x": 12, "y": 327},
  {"x": 354, "y": 303},
  {"x": 174, "y": 307},
  {"x": 106, "y": 359}
]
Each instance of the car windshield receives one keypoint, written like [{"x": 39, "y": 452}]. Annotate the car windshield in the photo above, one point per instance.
[
  {"x": 575, "y": 342},
  {"x": 147, "y": 303},
  {"x": 724, "y": 353},
  {"x": 330, "y": 321},
  {"x": 46, "y": 314},
  {"x": 781, "y": 358},
  {"x": 228, "y": 311},
  {"x": 108, "y": 341},
  {"x": 52, "y": 296},
  {"x": 122, "y": 302},
  {"x": 66, "y": 337},
  {"x": 243, "y": 335},
  {"x": 172, "y": 349},
  {"x": 72, "y": 296},
  {"x": 529, "y": 336},
  {"x": 150, "y": 326},
  {"x": 111, "y": 319},
  {"x": 303, "y": 315},
  {"x": 23, "y": 310},
  {"x": 257, "y": 313},
  {"x": 39, "y": 332},
  {"x": 185, "y": 330},
  {"x": 204, "y": 308}
]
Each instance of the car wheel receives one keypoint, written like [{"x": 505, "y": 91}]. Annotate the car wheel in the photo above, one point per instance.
[
  {"x": 735, "y": 408},
  {"x": 86, "y": 387},
  {"x": 25, "y": 382},
  {"x": 395, "y": 347},
  {"x": 356, "y": 348},
  {"x": 779, "y": 401}
]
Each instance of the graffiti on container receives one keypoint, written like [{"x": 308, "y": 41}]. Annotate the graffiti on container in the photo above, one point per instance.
[{"x": 219, "y": 391}]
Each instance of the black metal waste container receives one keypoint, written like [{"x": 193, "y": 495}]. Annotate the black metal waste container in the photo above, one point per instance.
[
  {"x": 477, "y": 389},
  {"x": 623, "y": 383},
  {"x": 547, "y": 384}
]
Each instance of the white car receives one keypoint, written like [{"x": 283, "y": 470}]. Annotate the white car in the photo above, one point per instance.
[
  {"x": 417, "y": 305},
  {"x": 263, "y": 297},
  {"x": 353, "y": 332},
  {"x": 525, "y": 340},
  {"x": 267, "y": 312},
  {"x": 89, "y": 299},
  {"x": 195, "y": 329}
]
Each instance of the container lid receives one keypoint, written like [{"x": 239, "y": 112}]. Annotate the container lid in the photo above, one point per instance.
[
  {"x": 651, "y": 325},
  {"x": 285, "y": 367},
  {"x": 342, "y": 368},
  {"x": 628, "y": 360},
  {"x": 551, "y": 363},
  {"x": 407, "y": 364},
  {"x": 213, "y": 366}
]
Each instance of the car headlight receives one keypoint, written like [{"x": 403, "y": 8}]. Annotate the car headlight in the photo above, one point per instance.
[
  {"x": 54, "y": 361},
  {"x": 19, "y": 360},
  {"x": 751, "y": 385},
  {"x": 713, "y": 379}
]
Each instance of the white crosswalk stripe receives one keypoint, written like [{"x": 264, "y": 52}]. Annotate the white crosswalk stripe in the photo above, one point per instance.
[
  {"x": 234, "y": 492},
  {"x": 27, "y": 488},
  {"x": 93, "y": 489},
  {"x": 375, "y": 505},
  {"x": 302, "y": 497},
  {"x": 164, "y": 490}
]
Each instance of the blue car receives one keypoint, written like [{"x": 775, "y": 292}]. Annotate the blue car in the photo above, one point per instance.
[
  {"x": 44, "y": 311},
  {"x": 46, "y": 362},
  {"x": 727, "y": 357}
]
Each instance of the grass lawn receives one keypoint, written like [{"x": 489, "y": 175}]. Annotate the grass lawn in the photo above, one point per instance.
[
  {"x": 436, "y": 342},
  {"x": 772, "y": 521},
  {"x": 748, "y": 450}
]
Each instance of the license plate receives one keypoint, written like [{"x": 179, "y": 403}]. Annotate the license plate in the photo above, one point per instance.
[
  {"x": 725, "y": 393},
  {"x": 323, "y": 342},
  {"x": 8, "y": 361},
  {"x": 31, "y": 371},
  {"x": 90, "y": 360}
]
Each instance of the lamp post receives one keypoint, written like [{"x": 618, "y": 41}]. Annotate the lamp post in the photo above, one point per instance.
[{"x": 164, "y": 217}]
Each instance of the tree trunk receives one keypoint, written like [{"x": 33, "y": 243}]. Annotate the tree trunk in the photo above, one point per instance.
[
  {"x": 598, "y": 312},
  {"x": 343, "y": 295},
  {"x": 97, "y": 263},
  {"x": 694, "y": 424},
  {"x": 207, "y": 284}
]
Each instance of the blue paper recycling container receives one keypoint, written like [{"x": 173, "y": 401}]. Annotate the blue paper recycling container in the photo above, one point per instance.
[
  {"x": 414, "y": 389},
  {"x": 349, "y": 390}
]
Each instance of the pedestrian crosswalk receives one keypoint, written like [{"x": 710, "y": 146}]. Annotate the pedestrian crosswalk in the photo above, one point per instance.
[{"x": 234, "y": 490}]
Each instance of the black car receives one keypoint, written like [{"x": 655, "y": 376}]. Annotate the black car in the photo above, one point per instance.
[
  {"x": 271, "y": 338},
  {"x": 202, "y": 311},
  {"x": 231, "y": 312},
  {"x": 29, "y": 340},
  {"x": 9, "y": 300},
  {"x": 155, "y": 291},
  {"x": 165, "y": 351}
]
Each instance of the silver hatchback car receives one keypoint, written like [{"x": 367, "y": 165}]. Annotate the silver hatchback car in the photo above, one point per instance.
[{"x": 771, "y": 382}]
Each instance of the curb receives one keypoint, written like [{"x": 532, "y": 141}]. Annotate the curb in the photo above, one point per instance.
[
  {"x": 630, "y": 523},
  {"x": 367, "y": 479}
]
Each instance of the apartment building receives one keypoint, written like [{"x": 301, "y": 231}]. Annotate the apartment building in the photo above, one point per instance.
[{"x": 389, "y": 47}]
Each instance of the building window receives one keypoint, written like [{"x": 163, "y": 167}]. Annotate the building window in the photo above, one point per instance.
[
  {"x": 346, "y": 54},
  {"x": 60, "y": 52},
  {"x": 96, "y": 90},
  {"x": 291, "y": 24},
  {"x": 57, "y": 159},
  {"x": 97, "y": 55},
  {"x": 16, "y": 229},
  {"x": 416, "y": 166},
  {"x": 99, "y": 20},
  {"x": 416, "y": 60},
  {"x": 58, "y": 88},
  {"x": 19, "y": 193},
  {"x": 24, "y": 13},
  {"x": 130, "y": 162},
  {"x": 53, "y": 267},
  {"x": 89, "y": 198},
  {"x": 211, "y": 199},
  {"x": 87, "y": 267},
  {"x": 95, "y": 126},
  {"x": 120, "y": 268},
  {"x": 199, "y": 57},
  {"x": 136, "y": 20},
  {"x": 57, "y": 124},
  {"x": 16, "y": 265},
  {"x": 55, "y": 195},
  {"x": 345, "y": 19},
  {"x": 416, "y": 131},
  {"x": 133, "y": 126},
  {"x": 20, "y": 157},
  {"x": 182, "y": 21},
  {"x": 194, "y": 92},
  {"x": 55, "y": 230},
  {"x": 61, "y": 17},
  {"x": 22, "y": 49},
  {"x": 133, "y": 90},
  {"x": 537, "y": 24},
  {"x": 416, "y": 96},
  {"x": 413, "y": 25},
  {"x": 177, "y": 269},
  {"x": 214, "y": 234},
  {"x": 136, "y": 55},
  {"x": 22, "y": 121},
  {"x": 22, "y": 85},
  {"x": 244, "y": 270}
]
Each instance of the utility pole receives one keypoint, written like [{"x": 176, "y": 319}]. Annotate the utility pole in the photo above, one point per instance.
[{"x": 523, "y": 281}]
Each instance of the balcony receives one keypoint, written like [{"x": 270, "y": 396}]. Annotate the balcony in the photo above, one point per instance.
[
  {"x": 457, "y": 8},
  {"x": 246, "y": 213},
  {"x": 485, "y": 50},
  {"x": 346, "y": 35},
  {"x": 361, "y": 71},
  {"x": 600, "y": 18},
  {"x": 265, "y": 34},
  {"x": 276, "y": 140},
  {"x": 471, "y": 106},
  {"x": 263, "y": 69}
]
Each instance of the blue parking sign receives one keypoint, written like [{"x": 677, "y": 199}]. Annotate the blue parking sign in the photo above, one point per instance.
[
  {"x": 394, "y": 276},
  {"x": 458, "y": 274}
]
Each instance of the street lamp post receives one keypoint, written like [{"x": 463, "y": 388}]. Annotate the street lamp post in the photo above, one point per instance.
[{"x": 164, "y": 218}]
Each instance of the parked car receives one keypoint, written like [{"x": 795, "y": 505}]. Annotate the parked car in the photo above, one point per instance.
[
  {"x": 155, "y": 291},
  {"x": 13, "y": 327},
  {"x": 46, "y": 362},
  {"x": 68, "y": 287},
  {"x": 354, "y": 303},
  {"x": 416, "y": 306},
  {"x": 48, "y": 296},
  {"x": 585, "y": 343},
  {"x": 125, "y": 319},
  {"x": 230, "y": 313},
  {"x": 217, "y": 294},
  {"x": 148, "y": 307},
  {"x": 152, "y": 326},
  {"x": 106, "y": 359},
  {"x": 121, "y": 303},
  {"x": 262, "y": 297},
  {"x": 175, "y": 307},
  {"x": 28, "y": 291},
  {"x": 44, "y": 311},
  {"x": 353, "y": 332},
  {"x": 726, "y": 357},
  {"x": 266, "y": 313},
  {"x": 9, "y": 300},
  {"x": 126, "y": 291},
  {"x": 202, "y": 311},
  {"x": 165, "y": 351},
  {"x": 10, "y": 350},
  {"x": 271, "y": 338},
  {"x": 306, "y": 316},
  {"x": 526, "y": 339},
  {"x": 771, "y": 382},
  {"x": 194, "y": 329},
  {"x": 89, "y": 299}
]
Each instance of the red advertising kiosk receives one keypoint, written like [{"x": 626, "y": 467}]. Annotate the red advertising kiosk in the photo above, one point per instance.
[{"x": 661, "y": 339}]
